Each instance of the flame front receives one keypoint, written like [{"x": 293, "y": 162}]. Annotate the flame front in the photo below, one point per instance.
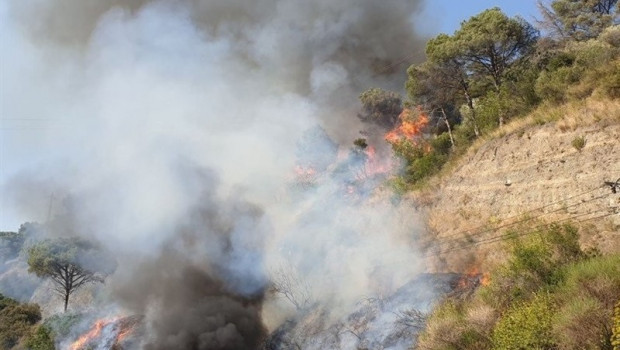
[
  {"x": 89, "y": 336},
  {"x": 409, "y": 126},
  {"x": 94, "y": 335}
]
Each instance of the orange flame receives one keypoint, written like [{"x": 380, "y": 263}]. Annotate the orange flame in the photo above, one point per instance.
[
  {"x": 89, "y": 336},
  {"x": 409, "y": 127},
  {"x": 376, "y": 165},
  {"x": 122, "y": 329},
  {"x": 473, "y": 278}
]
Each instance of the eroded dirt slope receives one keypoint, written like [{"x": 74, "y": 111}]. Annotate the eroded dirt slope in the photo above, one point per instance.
[{"x": 530, "y": 175}]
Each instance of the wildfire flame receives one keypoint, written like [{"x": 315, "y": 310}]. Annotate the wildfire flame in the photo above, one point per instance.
[
  {"x": 376, "y": 165},
  {"x": 411, "y": 125},
  {"x": 473, "y": 278},
  {"x": 91, "y": 335},
  {"x": 109, "y": 331}
]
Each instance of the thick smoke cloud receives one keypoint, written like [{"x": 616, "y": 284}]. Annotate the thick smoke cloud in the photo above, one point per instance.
[
  {"x": 170, "y": 131},
  {"x": 330, "y": 50},
  {"x": 204, "y": 290}
]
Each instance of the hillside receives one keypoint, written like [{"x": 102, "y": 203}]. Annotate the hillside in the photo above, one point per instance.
[{"x": 530, "y": 172}]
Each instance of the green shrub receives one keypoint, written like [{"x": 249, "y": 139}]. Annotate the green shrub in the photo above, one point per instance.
[
  {"x": 425, "y": 166},
  {"x": 536, "y": 263},
  {"x": 41, "y": 339},
  {"x": 526, "y": 325},
  {"x": 553, "y": 85},
  {"x": 610, "y": 80},
  {"x": 442, "y": 144},
  {"x": 611, "y": 36},
  {"x": 16, "y": 320},
  {"x": 62, "y": 324},
  {"x": 587, "y": 297},
  {"x": 579, "y": 143},
  {"x": 448, "y": 327},
  {"x": 615, "y": 338}
]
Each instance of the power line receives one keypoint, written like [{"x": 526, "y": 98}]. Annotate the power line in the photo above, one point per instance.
[
  {"x": 513, "y": 235},
  {"x": 518, "y": 221},
  {"x": 524, "y": 213}
]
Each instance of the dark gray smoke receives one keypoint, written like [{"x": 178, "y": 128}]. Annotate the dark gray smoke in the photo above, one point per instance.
[
  {"x": 330, "y": 50},
  {"x": 142, "y": 97},
  {"x": 204, "y": 289},
  {"x": 190, "y": 307}
]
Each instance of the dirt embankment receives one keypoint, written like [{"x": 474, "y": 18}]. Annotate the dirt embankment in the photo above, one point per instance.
[{"x": 524, "y": 176}]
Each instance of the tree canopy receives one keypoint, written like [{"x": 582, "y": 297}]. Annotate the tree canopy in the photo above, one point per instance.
[
  {"x": 381, "y": 107},
  {"x": 70, "y": 263},
  {"x": 579, "y": 19}
]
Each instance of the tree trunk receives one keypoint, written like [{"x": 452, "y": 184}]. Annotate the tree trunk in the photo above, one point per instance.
[
  {"x": 445, "y": 119},
  {"x": 470, "y": 104},
  {"x": 66, "y": 300}
]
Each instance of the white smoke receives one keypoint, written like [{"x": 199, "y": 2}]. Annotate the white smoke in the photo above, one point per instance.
[{"x": 132, "y": 99}]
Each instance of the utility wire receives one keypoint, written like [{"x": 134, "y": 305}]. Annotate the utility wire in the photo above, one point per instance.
[
  {"x": 524, "y": 213},
  {"x": 513, "y": 235},
  {"x": 470, "y": 234}
]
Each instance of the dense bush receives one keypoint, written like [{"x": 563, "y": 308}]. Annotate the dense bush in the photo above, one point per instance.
[
  {"x": 587, "y": 297},
  {"x": 16, "y": 321},
  {"x": 526, "y": 325},
  {"x": 548, "y": 295},
  {"x": 41, "y": 338}
]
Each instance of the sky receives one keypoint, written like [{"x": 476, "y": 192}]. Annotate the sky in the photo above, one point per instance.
[
  {"x": 445, "y": 16},
  {"x": 439, "y": 16}
]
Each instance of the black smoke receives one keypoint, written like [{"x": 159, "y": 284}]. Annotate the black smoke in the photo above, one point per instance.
[{"x": 204, "y": 288}]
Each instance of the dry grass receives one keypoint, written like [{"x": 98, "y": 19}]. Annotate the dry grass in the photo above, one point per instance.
[{"x": 567, "y": 117}]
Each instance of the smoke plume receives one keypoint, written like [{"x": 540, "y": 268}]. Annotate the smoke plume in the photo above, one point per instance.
[{"x": 170, "y": 131}]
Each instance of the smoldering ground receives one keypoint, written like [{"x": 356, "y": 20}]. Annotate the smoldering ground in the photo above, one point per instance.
[{"x": 135, "y": 98}]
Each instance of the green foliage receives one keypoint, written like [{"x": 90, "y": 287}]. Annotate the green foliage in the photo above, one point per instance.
[
  {"x": 425, "y": 166},
  {"x": 615, "y": 339},
  {"x": 421, "y": 161},
  {"x": 61, "y": 325},
  {"x": 441, "y": 144},
  {"x": 526, "y": 325},
  {"x": 587, "y": 297},
  {"x": 361, "y": 143},
  {"x": 69, "y": 262},
  {"x": 579, "y": 19},
  {"x": 381, "y": 107},
  {"x": 41, "y": 339},
  {"x": 579, "y": 143},
  {"x": 610, "y": 80},
  {"x": 552, "y": 85},
  {"x": 548, "y": 295},
  {"x": 535, "y": 263},
  {"x": 16, "y": 321},
  {"x": 611, "y": 36},
  {"x": 491, "y": 43},
  {"x": 10, "y": 244},
  {"x": 450, "y": 327},
  {"x": 579, "y": 69}
]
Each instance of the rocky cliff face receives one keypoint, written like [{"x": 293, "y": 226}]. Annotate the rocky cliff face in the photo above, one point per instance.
[{"x": 530, "y": 175}]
